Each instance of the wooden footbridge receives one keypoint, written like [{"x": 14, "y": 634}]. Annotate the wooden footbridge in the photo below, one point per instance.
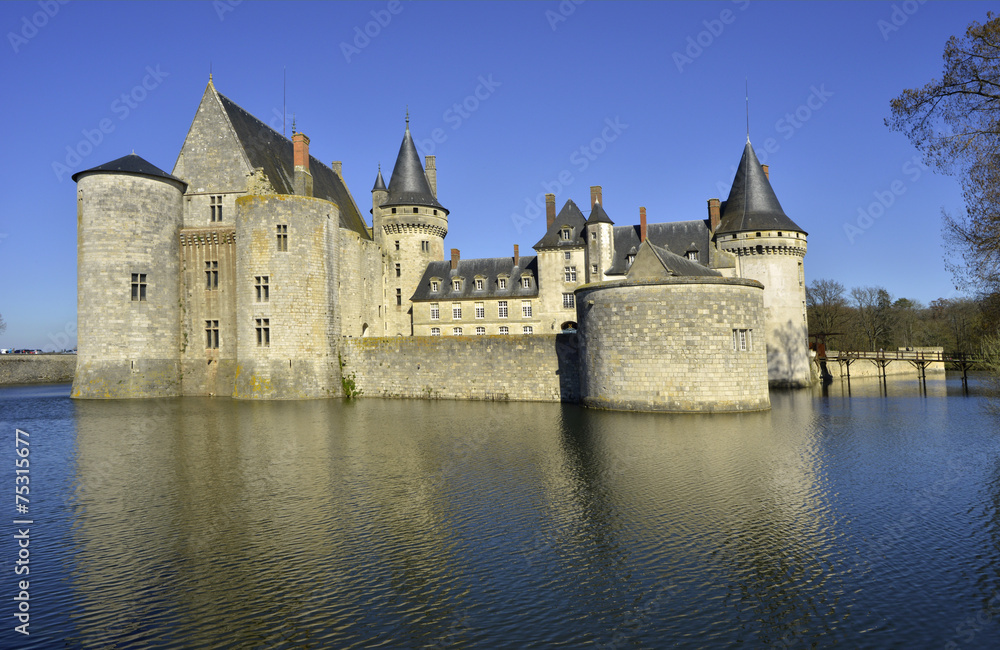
[{"x": 920, "y": 359}]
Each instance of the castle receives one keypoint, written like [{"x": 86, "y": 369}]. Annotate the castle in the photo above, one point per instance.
[{"x": 250, "y": 271}]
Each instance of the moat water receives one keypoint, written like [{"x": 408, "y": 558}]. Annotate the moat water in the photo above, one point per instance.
[{"x": 863, "y": 521}]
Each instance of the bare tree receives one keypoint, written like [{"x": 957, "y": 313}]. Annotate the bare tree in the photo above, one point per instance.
[
  {"x": 874, "y": 313},
  {"x": 827, "y": 309}
]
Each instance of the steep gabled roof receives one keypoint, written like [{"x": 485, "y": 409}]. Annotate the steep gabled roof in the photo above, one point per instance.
[
  {"x": 130, "y": 164},
  {"x": 408, "y": 184},
  {"x": 752, "y": 204},
  {"x": 264, "y": 147},
  {"x": 654, "y": 262},
  {"x": 676, "y": 236},
  {"x": 598, "y": 215},
  {"x": 489, "y": 269},
  {"x": 571, "y": 216}
]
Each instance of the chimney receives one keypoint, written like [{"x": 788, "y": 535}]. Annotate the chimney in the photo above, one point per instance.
[
  {"x": 336, "y": 167},
  {"x": 550, "y": 211},
  {"x": 595, "y": 195},
  {"x": 767, "y": 174},
  {"x": 517, "y": 256},
  {"x": 714, "y": 215},
  {"x": 430, "y": 171},
  {"x": 642, "y": 225},
  {"x": 303, "y": 181},
  {"x": 454, "y": 259}
]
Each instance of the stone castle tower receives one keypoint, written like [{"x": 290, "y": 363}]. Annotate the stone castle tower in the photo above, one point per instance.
[
  {"x": 409, "y": 226},
  {"x": 769, "y": 247}
]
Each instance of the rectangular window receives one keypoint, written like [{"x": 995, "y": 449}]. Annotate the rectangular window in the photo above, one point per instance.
[
  {"x": 502, "y": 309},
  {"x": 457, "y": 331},
  {"x": 216, "y": 206},
  {"x": 480, "y": 310},
  {"x": 435, "y": 311},
  {"x": 435, "y": 331},
  {"x": 397, "y": 241},
  {"x": 526, "y": 282},
  {"x": 564, "y": 233},
  {"x": 457, "y": 285},
  {"x": 742, "y": 340},
  {"x": 399, "y": 297},
  {"x": 566, "y": 255},
  {"x": 282, "y": 238},
  {"x": 425, "y": 246},
  {"x": 593, "y": 235},
  {"x": 479, "y": 284},
  {"x": 569, "y": 300},
  {"x": 138, "y": 287},
  {"x": 692, "y": 255},
  {"x": 526, "y": 308},
  {"x": 569, "y": 273},
  {"x": 593, "y": 269},
  {"x": 211, "y": 275},
  {"x": 528, "y": 329},
  {"x": 398, "y": 271},
  {"x": 504, "y": 330},
  {"x": 456, "y": 311},
  {"x": 263, "y": 332},
  {"x": 480, "y": 331},
  {"x": 211, "y": 334},
  {"x": 261, "y": 288},
  {"x": 502, "y": 283},
  {"x": 435, "y": 285}
]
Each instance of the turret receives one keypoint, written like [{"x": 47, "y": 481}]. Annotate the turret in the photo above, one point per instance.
[
  {"x": 770, "y": 248},
  {"x": 600, "y": 238}
]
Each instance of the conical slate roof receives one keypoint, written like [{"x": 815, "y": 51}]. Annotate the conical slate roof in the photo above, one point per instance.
[
  {"x": 598, "y": 215},
  {"x": 752, "y": 204},
  {"x": 130, "y": 164},
  {"x": 379, "y": 183},
  {"x": 408, "y": 184}
]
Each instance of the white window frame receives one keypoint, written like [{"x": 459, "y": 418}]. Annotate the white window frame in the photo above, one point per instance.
[
  {"x": 526, "y": 309},
  {"x": 528, "y": 329},
  {"x": 480, "y": 310},
  {"x": 502, "y": 309},
  {"x": 504, "y": 330},
  {"x": 435, "y": 311},
  {"x": 456, "y": 311}
]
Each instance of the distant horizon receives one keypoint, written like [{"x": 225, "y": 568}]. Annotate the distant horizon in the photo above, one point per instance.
[{"x": 509, "y": 113}]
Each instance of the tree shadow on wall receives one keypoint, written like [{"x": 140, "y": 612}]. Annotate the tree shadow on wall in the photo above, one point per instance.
[{"x": 788, "y": 356}]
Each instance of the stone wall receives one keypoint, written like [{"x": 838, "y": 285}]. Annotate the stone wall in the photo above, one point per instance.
[
  {"x": 668, "y": 345},
  {"x": 538, "y": 368},
  {"x": 360, "y": 286},
  {"x": 36, "y": 369}
]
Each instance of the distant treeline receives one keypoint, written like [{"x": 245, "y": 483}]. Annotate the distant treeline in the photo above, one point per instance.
[{"x": 871, "y": 318}]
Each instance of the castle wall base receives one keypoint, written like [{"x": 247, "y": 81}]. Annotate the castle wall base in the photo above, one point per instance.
[
  {"x": 126, "y": 378},
  {"x": 277, "y": 379}
]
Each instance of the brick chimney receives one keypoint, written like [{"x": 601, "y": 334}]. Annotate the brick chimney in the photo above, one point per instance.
[
  {"x": 430, "y": 171},
  {"x": 767, "y": 174},
  {"x": 517, "y": 256},
  {"x": 714, "y": 214},
  {"x": 642, "y": 225},
  {"x": 337, "y": 166},
  {"x": 550, "y": 211},
  {"x": 454, "y": 259},
  {"x": 595, "y": 195},
  {"x": 303, "y": 181}
]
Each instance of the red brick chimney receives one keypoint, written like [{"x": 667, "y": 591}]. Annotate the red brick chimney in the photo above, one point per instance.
[
  {"x": 550, "y": 210},
  {"x": 714, "y": 215},
  {"x": 595, "y": 195},
  {"x": 642, "y": 225},
  {"x": 303, "y": 181},
  {"x": 301, "y": 144},
  {"x": 454, "y": 259},
  {"x": 767, "y": 174},
  {"x": 517, "y": 256}
]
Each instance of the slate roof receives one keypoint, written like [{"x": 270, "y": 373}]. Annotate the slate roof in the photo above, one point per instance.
[
  {"x": 130, "y": 164},
  {"x": 752, "y": 204},
  {"x": 488, "y": 268},
  {"x": 671, "y": 264},
  {"x": 265, "y": 147},
  {"x": 598, "y": 215},
  {"x": 408, "y": 184},
  {"x": 678, "y": 237},
  {"x": 571, "y": 216},
  {"x": 379, "y": 182}
]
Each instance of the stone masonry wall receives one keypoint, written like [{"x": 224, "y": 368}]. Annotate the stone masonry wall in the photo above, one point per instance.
[
  {"x": 669, "y": 345},
  {"x": 36, "y": 369},
  {"x": 537, "y": 368}
]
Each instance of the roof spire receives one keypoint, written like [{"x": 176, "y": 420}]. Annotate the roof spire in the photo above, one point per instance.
[
  {"x": 407, "y": 117},
  {"x": 746, "y": 81}
]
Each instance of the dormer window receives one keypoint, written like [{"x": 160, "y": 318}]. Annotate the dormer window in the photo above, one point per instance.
[
  {"x": 692, "y": 255},
  {"x": 501, "y": 283},
  {"x": 629, "y": 260},
  {"x": 456, "y": 285},
  {"x": 479, "y": 284},
  {"x": 526, "y": 281},
  {"x": 565, "y": 232},
  {"x": 435, "y": 285}
]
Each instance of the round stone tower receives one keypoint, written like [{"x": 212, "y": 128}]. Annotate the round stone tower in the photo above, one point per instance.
[
  {"x": 409, "y": 226},
  {"x": 129, "y": 214},
  {"x": 769, "y": 247}
]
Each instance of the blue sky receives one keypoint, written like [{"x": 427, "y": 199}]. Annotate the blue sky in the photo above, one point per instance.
[{"x": 514, "y": 99}]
